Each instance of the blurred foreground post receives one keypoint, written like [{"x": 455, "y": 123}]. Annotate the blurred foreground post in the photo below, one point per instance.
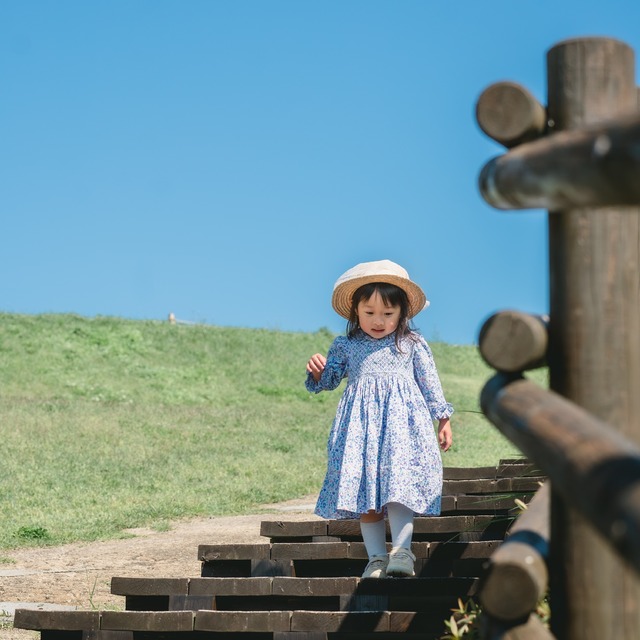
[{"x": 594, "y": 338}]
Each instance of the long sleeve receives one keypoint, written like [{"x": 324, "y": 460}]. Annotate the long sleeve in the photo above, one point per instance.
[
  {"x": 335, "y": 369},
  {"x": 426, "y": 376}
]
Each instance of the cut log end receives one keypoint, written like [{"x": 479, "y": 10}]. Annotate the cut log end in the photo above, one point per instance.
[
  {"x": 512, "y": 341},
  {"x": 509, "y": 114}
]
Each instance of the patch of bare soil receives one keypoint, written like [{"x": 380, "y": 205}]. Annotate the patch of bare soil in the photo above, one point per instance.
[{"x": 79, "y": 575}]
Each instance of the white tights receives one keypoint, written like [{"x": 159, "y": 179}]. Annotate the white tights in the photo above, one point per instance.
[{"x": 400, "y": 523}]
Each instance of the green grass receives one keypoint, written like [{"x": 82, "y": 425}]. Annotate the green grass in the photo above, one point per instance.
[{"x": 109, "y": 424}]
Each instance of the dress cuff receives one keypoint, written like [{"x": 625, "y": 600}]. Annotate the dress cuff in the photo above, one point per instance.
[
  {"x": 443, "y": 411},
  {"x": 312, "y": 385}
]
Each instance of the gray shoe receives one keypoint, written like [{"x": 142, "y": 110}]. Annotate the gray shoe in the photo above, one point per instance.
[
  {"x": 377, "y": 567},
  {"x": 401, "y": 563}
]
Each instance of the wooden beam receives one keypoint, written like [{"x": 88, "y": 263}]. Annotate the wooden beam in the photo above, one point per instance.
[
  {"x": 509, "y": 114},
  {"x": 596, "y": 166},
  {"x": 595, "y": 469},
  {"x": 513, "y": 341},
  {"x": 516, "y": 576}
]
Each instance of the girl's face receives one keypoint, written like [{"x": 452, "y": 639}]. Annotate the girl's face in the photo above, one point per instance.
[{"x": 376, "y": 318}]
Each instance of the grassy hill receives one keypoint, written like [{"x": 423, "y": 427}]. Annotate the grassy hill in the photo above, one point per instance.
[{"x": 109, "y": 424}]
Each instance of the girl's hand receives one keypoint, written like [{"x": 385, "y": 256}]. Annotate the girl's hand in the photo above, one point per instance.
[
  {"x": 316, "y": 365},
  {"x": 445, "y": 437}
]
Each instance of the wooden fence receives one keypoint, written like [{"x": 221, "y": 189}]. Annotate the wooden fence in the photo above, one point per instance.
[{"x": 579, "y": 158}]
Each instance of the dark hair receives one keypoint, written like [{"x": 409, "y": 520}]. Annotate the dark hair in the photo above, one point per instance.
[{"x": 391, "y": 296}]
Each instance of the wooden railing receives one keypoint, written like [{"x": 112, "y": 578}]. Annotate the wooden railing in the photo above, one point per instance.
[{"x": 579, "y": 158}]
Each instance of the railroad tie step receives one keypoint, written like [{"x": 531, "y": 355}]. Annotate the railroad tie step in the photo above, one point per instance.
[
  {"x": 280, "y": 593},
  {"x": 336, "y": 559},
  {"x": 67, "y": 624},
  {"x": 305, "y": 579},
  {"x": 492, "y": 526}
]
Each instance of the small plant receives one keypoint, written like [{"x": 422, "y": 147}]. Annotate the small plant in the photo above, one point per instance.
[
  {"x": 92, "y": 604},
  {"x": 96, "y": 605},
  {"x": 33, "y": 533},
  {"x": 543, "y": 610},
  {"x": 521, "y": 506},
  {"x": 464, "y": 622},
  {"x": 6, "y": 619}
]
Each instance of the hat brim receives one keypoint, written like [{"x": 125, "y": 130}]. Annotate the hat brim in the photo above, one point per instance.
[{"x": 343, "y": 293}]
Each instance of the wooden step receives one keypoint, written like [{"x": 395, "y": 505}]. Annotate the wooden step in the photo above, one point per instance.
[
  {"x": 335, "y": 559},
  {"x": 508, "y": 468},
  {"x": 305, "y": 579},
  {"x": 517, "y": 467},
  {"x": 282, "y": 593},
  {"x": 64, "y": 625},
  {"x": 459, "y": 513},
  {"x": 498, "y": 504},
  {"x": 492, "y": 486},
  {"x": 437, "y": 528}
]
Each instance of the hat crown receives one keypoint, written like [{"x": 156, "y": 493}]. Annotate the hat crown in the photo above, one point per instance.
[
  {"x": 377, "y": 271},
  {"x": 368, "y": 269}
]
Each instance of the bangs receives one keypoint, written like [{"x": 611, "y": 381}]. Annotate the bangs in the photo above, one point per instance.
[{"x": 391, "y": 295}]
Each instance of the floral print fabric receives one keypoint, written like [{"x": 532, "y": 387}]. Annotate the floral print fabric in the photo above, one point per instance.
[{"x": 382, "y": 446}]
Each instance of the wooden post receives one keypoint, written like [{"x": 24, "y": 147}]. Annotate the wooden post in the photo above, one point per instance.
[{"x": 594, "y": 337}]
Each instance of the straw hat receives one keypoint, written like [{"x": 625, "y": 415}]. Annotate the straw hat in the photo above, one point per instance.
[{"x": 378, "y": 271}]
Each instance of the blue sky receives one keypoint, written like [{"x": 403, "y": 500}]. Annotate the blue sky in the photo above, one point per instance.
[{"x": 227, "y": 160}]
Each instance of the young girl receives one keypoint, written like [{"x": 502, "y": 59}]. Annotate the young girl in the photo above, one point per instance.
[{"x": 382, "y": 453}]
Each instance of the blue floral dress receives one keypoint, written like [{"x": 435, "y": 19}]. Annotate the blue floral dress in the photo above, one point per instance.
[{"x": 382, "y": 446}]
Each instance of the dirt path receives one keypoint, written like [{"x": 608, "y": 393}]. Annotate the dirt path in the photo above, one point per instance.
[{"x": 79, "y": 575}]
